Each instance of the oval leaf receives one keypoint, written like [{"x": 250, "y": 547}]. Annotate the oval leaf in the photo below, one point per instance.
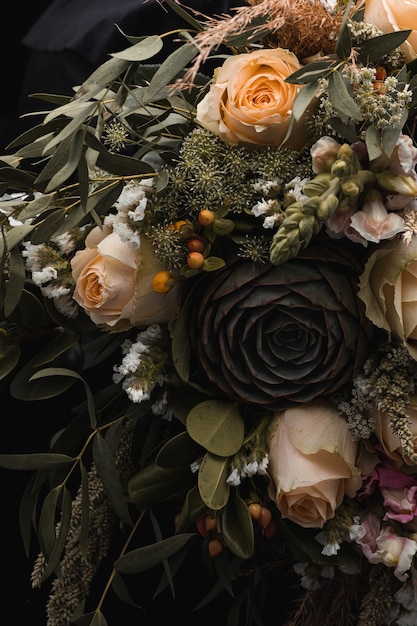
[
  {"x": 237, "y": 528},
  {"x": 217, "y": 426},
  {"x": 212, "y": 484}
]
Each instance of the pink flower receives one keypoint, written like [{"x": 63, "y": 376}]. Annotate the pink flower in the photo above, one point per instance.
[
  {"x": 402, "y": 503},
  {"x": 373, "y": 222},
  {"x": 367, "y": 532},
  {"x": 324, "y": 154},
  {"x": 394, "y": 551}
]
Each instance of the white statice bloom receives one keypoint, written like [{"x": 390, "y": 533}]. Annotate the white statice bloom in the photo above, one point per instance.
[
  {"x": 306, "y": 581},
  {"x": 296, "y": 186},
  {"x": 162, "y": 408},
  {"x": 67, "y": 306},
  {"x": 195, "y": 466},
  {"x": 272, "y": 220},
  {"x": 32, "y": 253},
  {"x": 66, "y": 242},
  {"x": 331, "y": 548},
  {"x": 266, "y": 187},
  {"x": 121, "y": 225},
  {"x": 44, "y": 275},
  {"x": 234, "y": 478},
  {"x": 250, "y": 469},
  {"x": 262, "y": 207}
]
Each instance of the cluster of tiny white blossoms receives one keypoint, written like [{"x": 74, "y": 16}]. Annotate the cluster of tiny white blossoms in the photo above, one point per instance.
[
  {"x": 52, "y": 273},
  {"x": 131, "y": 206},
  {"x": 270, "y": 206},
  {"x": 248, "y": 469},
  {"x": 142, "y": 365}
]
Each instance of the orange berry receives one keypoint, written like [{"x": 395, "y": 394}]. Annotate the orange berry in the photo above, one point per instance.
[
  {"x": 379, "y": 86},
  {"x": 265, "y": 517},
  {"x": 255, "y": 510},
  {"x": 195, "y": 260},
  {"x": 214, "y": 547},
  {"x": 179, "y": 224},
  {"x": 380, "y": 73},
  {"x": 210, "y": 523},
  {"x": 206, "y": 217},
  {"x": 162, "y": 282},
  {"x": 195, "y": 245}
]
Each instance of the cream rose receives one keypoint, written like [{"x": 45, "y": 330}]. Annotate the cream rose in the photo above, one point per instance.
[
  {"x": 388, "y": 287},
  {"x": 113, "y": 283},
  {"x": 250, "y": 101},
  {"x": 311, "y": 463},
  {"x": 389, "y": 440},
  {"x": 394, "y": 15}
]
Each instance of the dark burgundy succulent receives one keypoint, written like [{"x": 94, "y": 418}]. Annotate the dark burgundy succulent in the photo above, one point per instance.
[{"x": 273, "y": 335}]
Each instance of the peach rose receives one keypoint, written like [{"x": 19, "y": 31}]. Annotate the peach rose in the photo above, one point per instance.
[
  {"x": 311, "y": 463},
  {"x": 389, "y": 440},
  {"x": 113, "y": 283},
  {"x": 250, "y": 101},
  {"x": 393, "y": 15},
  {"x": 388, "y": 287}
]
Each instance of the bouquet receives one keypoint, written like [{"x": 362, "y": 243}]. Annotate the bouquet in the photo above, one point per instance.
[{"x": 215, "y": 273}]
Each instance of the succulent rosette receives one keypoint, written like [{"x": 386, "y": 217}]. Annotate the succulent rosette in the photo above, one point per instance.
[{"x": 275, "y": 335}]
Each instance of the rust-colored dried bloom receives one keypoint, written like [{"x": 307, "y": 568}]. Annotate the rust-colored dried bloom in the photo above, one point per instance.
[{"x": 275, "y": 335}]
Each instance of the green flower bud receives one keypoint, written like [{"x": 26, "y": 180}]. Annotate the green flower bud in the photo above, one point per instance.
[{"x": 404, "y": 185}]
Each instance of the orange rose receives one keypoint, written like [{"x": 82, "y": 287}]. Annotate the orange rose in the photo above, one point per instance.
[
  {"x": 311, "y": 463},
  {"x": 113, "y": 283},
  {"x": 393, "y": 15},
  {"x": 250, "y": 101}
]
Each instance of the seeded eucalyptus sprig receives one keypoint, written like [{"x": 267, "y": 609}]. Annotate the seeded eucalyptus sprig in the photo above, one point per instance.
[{"x": 325, "y": 193}]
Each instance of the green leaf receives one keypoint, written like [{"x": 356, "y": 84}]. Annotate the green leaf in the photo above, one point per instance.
[
  {"x": 373, "y": 49},
  {"x": 192, "y": 508},
  {"x": 212, "y": 475},
  {"x": 341, "y": 98},
  {"x": 107, "y": 471},
  {"x": 14, "y": 237},
  {"x": 304, "y": 97},
  {"x": 180, "y": 446},
  {"x": 48, "y": 227},
  {"x": 60, "y": 344},
  {"x": 121, "y": 165},
  {"x": 170, "y": 69},
  {"x": 36, "y": 461},
  {"x": 237, "y": 527},
  {"x": 344, "y": 43},
  {"x": 142, "y": 559},
  {"x": 142, "y": 50},
  {"x": 8, "y": 360},
  {"x": 217, "y": 426},
  {"x": 154, "y": 484},
  {"x": 311, "y": 72},
  {"x": 373, "y": 142},
  {"x": 16, "y": 282},
  {"x": 52, "y": 545},
  {"x": 73, "y": 155},
  {"x": 95, "y": 618}
]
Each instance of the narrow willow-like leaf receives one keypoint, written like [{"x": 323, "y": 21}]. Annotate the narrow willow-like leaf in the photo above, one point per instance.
[
  {"x": 85, "y": 512},
  {"x": 95, "y": 618},
  {"x": 375, "y": 48},
  {"x": 373, "y": 142},
  {"x": 36, "y": 207},
  {"x": 142, "y": 559},
  {"x": 35, "y": 461},
  {"x": 60, "y": 344},
  {"x": 14, "y": 237},
  {"x": 46, "y": 229},
  {"x": 185, "y": 15},
  {"x": 170, "y": 68},
  {"x": 310, "y": 73},
  {"x": 340, "y": 97},
  {"x": 121, "y": 165},
  {"x": 9, "y": 359},
  {"x": 107, "y": 471},
  {"x": 89, "y": 110},
  {"x": 28, "y": 505},
  {"x": 191, "y": 509},
  {"x": 165, "y": 561},
  {"x": 144, "y": 49},
  {"x": 52, "y": 545},
  {"x": 344, "y": 43},
  {"x": 217, "y": 426},
  {"x": 16, "y": 282},
  {"x": 61, "y": 371},
  {"x": 120, "y": 589},
  {"x": 304, "y": 98},
  {"x": 212, "y": 475},
  {"x": 19, "y": 180},
  {"x": 237, "y": 527}
]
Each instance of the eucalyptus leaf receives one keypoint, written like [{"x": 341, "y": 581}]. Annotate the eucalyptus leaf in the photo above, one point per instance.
[
  {"x": 170, "y": 68},
  {"x": 121, "y": 590},
  {"x": 142, "y": 559},
  {"x": 192, "y": 508},
  {"x": 154, "y": 484},
  {"x": 180, "y": 446},
  {"x": 373, "y": 142},
  {"x": 48, "y": 226},
  {"x": 212, "y": 475},
  {"x": 304, "y": 98},
  {"x": 237, "y": 527},
  {"x": 341, "y": 98},
  {"x": 311, "y": 72},
  {"x": 373, "y": 49},
  {"x": 217, "y": 426},
  {"x": 344, "y": 43}
]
